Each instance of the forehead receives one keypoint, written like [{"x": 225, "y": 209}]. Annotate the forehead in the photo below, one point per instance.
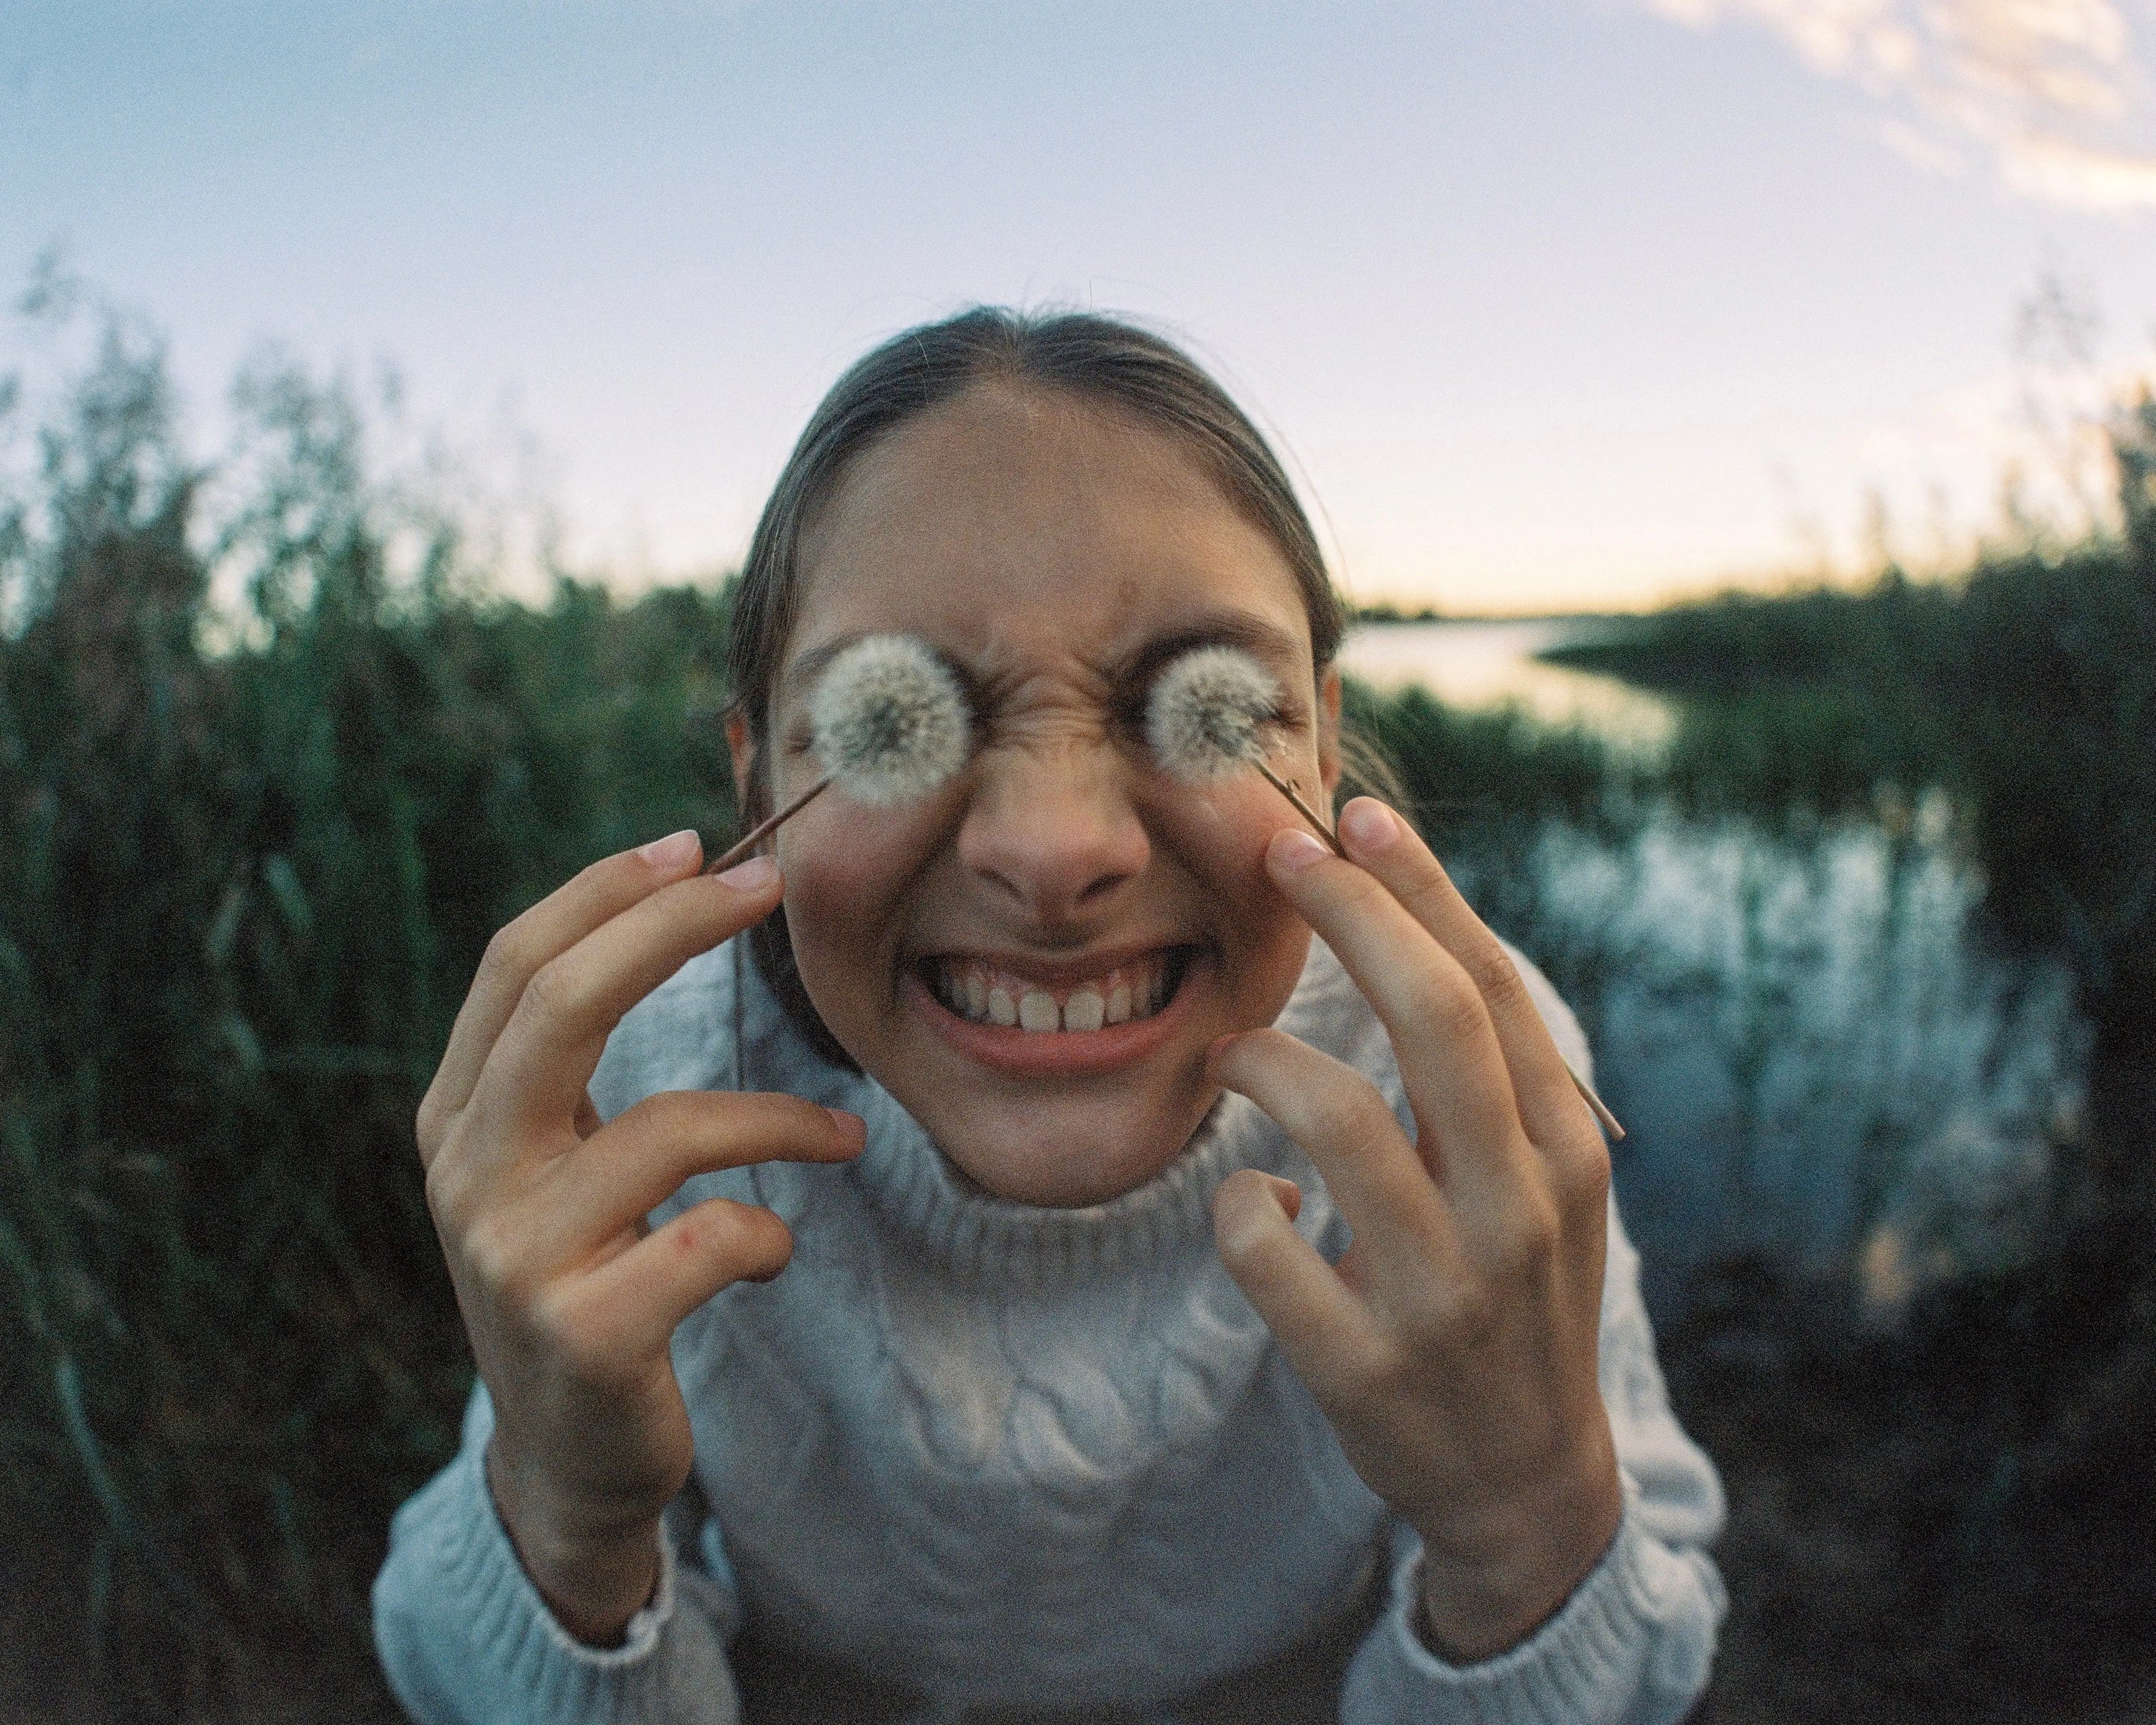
[{"x": 1011, "y": 523}]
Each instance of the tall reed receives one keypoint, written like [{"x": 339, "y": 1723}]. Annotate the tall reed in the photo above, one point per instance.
[{"x": 244, "y": 892}]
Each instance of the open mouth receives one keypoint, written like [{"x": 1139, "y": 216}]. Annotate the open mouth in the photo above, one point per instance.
[{"x": 981, "y": 992}]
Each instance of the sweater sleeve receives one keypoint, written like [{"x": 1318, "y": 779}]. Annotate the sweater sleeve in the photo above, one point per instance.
[
  {"x": 1633, "y": 1644},
  {"x": 464, "y": 1638}
]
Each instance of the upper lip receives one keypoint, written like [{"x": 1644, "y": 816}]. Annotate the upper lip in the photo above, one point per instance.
[{"x": 1055, "y": 973}]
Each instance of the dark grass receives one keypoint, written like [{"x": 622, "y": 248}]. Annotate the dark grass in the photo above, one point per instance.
[
  {"x": 242, "y": 890},
  {"x": 1949, "y": 1520},
  {"x": 244, "y": 893}
]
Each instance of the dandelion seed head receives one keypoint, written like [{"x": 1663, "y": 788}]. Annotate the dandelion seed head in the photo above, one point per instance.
[
  {"x": 1207, "y": 713},
  {"x": 888, "y": 721}
]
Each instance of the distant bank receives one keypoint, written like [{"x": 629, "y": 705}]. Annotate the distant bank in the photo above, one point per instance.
[{"x": 1494, "y": 662}]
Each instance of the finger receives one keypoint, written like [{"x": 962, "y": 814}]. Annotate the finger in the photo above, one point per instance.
[
  {"x": 1390, "y": 849},
  {"x": 1337, "y": 1116},
  {"x": 546, "y": 1054},
  {"x": 638, "y": 1160},
  {"x": 519, "y": 947},
  {"x": 628, "y": 1308},
  {"x": 1450, "y": 1058},
  {"x": 1326, "y": 1333}
]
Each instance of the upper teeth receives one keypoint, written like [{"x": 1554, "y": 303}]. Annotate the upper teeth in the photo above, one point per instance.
[{"x": 986, "y": 995}]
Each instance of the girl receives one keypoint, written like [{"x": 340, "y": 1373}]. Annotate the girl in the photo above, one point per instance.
[{"x": 1245, "y": 1333}]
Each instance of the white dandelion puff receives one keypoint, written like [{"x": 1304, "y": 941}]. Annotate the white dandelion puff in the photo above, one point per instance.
[
  {"x": 1206, "y": 716},
  {"x": 888, "y": 721},
  {"x": 889, "y": 724},
  {"x": 1206, "y": 719}
]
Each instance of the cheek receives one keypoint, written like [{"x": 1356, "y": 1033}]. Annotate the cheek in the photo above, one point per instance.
[
  {"x": 1223, "y": 832},
  {"x": 850, "y": 872}
]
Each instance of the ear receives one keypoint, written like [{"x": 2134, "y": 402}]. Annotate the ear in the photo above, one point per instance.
[
  {"x": 742, "y": 748},
  {"x": 1328, "y": 731}
]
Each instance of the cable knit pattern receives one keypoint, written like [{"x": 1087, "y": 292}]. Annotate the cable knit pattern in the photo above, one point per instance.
[{"x": 1008, "y": 1457}]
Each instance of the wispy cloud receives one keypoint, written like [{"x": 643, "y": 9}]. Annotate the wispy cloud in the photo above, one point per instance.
[{"x": 2051, "y": 93}]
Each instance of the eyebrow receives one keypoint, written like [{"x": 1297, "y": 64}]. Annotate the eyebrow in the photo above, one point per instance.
[
  {"x": 806, "y": 667},
  {"x": 1216, "y": 628}
]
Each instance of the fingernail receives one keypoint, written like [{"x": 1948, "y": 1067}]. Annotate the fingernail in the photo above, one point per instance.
[
  {"x": 674, "y": 851},
  {"x": 852, "y": 1125},
  {"x": 1294, "y": 850},
  {"x": 1368, "y": 825},
  {"x": 753, "y": 875}
]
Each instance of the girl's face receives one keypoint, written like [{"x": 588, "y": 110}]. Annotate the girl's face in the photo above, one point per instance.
[{"x": 1059, "y": 554}]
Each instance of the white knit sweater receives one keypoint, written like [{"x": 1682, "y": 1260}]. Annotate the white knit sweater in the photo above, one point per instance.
[{"x": 971, "y": 1454}]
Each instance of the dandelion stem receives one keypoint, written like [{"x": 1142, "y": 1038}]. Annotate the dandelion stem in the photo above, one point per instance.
[
  {"x": 748, "y": 841},
  {"x": 1302, "y": 808},
  {"x": 1596, "y": 1106}
]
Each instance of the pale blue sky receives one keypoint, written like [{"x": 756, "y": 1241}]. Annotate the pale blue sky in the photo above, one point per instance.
[{"x": 1552, "y": 302}]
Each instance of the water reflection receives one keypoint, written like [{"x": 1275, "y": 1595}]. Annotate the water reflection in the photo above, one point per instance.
[
  {"x": 1479, "y": 664},
  {"x": 1816, "y": 1057}
]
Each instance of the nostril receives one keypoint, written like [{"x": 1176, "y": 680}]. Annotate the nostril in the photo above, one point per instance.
[{"x": 1101, "y": 888}]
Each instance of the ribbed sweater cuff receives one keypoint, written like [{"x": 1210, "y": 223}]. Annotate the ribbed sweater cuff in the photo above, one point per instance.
[
  {"x": 1584, "y": 1665},
  {"x": 513, "y": 1636}
]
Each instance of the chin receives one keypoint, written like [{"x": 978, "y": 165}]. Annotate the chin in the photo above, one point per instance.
[{"x": 1067, "y": 1157}]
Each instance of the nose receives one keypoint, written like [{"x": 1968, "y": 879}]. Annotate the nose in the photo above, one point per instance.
[{"x": 1054, "y": 829}]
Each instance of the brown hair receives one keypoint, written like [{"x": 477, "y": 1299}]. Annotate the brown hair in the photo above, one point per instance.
[{"x": 1079, "y": 353}]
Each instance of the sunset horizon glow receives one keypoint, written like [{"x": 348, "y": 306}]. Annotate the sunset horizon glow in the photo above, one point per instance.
[{"x": 1560, "y": 305}]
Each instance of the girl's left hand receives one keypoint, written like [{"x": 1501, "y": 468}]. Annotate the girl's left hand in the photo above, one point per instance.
[{"x": 1454, "y": 1346}]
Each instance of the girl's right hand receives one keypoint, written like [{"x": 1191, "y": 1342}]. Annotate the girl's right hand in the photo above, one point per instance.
[{"x": 569, "y": 1297}]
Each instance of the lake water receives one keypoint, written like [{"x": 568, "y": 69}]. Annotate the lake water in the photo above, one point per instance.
[
  {"x": 1817, "y": 1058},
  {"x": 1488, "y": 664}
]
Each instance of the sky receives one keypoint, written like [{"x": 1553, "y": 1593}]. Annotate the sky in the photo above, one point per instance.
[{"x": 1549, "y": 304}]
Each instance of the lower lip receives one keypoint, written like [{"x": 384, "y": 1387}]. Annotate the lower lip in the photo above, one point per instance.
[{"x": 1053, "y": 1054}]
